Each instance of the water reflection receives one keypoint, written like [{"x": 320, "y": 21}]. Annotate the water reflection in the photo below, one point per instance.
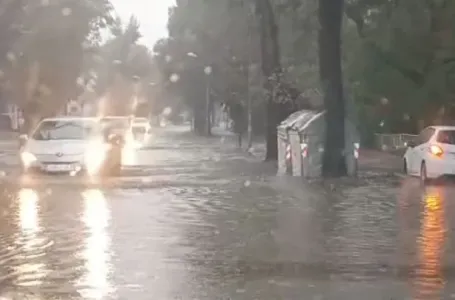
[
  {"x": 28, "y": 211},
  {"x": 429, "y": 278},
  {"x": 30, "y": 272},
  {"x": 95, "y": 282}
]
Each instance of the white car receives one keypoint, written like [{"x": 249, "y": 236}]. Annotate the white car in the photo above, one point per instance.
[
  {"x": 69, "y": 145},
  {"x": 432, "y": 154},
  {"x": 142, "y": 131}
]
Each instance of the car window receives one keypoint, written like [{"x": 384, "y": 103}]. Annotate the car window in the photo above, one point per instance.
[
  {"x": 446, "y": 137},
  {"x": 425, "y": 136},
  {"x": 115, "y": 123},
  {"x": 64, "y": 130}
]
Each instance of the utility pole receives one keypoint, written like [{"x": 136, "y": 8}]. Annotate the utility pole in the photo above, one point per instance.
[
  {"x": 208, "y": 72},
  {"x": 248, "y": 72}
]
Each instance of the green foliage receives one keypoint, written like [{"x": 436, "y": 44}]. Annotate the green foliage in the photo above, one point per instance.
[
  {"x": 125, "y": 70},
  {"x": 407, "y": 57},
  {"x": 47, "y": 43}
]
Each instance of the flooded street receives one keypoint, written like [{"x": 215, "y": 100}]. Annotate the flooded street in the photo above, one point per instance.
[{"x": 203, "y": 221}]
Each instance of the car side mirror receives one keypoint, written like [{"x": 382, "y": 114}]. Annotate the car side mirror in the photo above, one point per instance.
[
  {"x": 23, "y": 138},
  {"x": 411, "y": 144}
]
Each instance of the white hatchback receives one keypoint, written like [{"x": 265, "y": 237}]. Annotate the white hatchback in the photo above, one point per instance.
[
  {"x": 432, "y": 154},
  {"x": 68, "y": 145}
]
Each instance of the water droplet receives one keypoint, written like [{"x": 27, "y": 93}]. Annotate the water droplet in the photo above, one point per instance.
[
  {"x": 174, "y": 78},
  {"x": 247, "y": 183},
  {"x": 2, "y": 173},
  {"x": 11, "y": 56},
  {"x": 66, "y": 11}
]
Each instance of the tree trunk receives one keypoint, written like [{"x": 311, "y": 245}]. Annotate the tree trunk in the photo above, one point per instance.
[
  {"x": 199, "y": 116},
  {"x": 271, "y": 69},
  {"x": 330, "y": 18}
]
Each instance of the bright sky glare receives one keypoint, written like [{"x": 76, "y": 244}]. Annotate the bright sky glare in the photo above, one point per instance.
[{"x": 151, "y": 14}]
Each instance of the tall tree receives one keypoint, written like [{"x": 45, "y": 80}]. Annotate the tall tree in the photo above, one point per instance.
[
  {"x": 124, "y": 70},
  {"x": 45, "y": 61},
  {"x": 279, "y": 95},
  {"x": 330, "y": 18}
]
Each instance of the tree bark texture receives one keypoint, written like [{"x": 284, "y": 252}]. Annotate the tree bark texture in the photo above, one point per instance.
[
  {"x": 271, "y": 69},
  {"x": 330, "y": 18}
]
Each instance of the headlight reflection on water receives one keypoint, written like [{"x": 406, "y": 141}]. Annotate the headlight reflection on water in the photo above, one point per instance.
[
  {"x": 30, "y": 270},
  {"x": 95, "y": 282},
  {"x": 429, "y": 278}
]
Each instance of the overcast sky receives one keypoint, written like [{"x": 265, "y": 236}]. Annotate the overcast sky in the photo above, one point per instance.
[{"x": 152, "y": 16}]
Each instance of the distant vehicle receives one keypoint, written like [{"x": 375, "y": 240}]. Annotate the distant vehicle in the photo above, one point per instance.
[
  {"x": 5, "y": 122},
  {"x": 70, "y": 145},
  {"x": 142, "y": 131},
  {"x": 120, "y": 125},
  {"x": 432, "y": 154},
  {"x": 141, "y": 120}
]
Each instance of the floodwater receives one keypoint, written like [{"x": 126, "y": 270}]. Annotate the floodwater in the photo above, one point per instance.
[{"x": 202, "y": 221}]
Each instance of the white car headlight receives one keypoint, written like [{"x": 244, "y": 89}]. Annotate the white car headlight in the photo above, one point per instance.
[
  {"x": 95, "y": 155},
  {"x": 27, "y": 158}
]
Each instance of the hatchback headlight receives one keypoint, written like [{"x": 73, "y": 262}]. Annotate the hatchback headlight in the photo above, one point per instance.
[
  {"x": 27, "y": 158},
  {"x": 95, "y": 155}
]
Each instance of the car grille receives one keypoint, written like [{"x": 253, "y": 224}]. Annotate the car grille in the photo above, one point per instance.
[{"x": 54, "y": 159}]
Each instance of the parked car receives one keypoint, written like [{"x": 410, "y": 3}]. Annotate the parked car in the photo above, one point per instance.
[
  {"x": 432, "y": 154},
  {"x": 70, "y": 145}
]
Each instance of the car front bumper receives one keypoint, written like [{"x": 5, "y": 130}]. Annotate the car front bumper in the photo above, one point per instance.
[{"x": 56, "y": 166}]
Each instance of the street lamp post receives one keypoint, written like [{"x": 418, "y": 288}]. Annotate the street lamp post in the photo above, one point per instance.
[
  {"x": 208, "y": 72},
  {"x": 249, "y": 104}
]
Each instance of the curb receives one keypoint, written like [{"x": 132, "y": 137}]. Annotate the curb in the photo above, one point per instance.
[{"x": 400, "y": 175}]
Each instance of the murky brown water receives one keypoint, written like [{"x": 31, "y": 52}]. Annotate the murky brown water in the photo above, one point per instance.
[{"x": 218, "y": 231}]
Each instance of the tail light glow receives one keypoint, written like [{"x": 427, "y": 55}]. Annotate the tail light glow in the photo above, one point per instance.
[
  {"x": 304, "y": 149},
  {"x": 436, "y": 150},
  {"x": 288, "y": 152}
]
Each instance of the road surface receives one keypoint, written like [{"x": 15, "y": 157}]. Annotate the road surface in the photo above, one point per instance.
[{"x": 193, "y": 218}]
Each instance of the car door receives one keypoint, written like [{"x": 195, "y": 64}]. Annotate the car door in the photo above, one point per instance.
[{"x": 417, "y": 153}]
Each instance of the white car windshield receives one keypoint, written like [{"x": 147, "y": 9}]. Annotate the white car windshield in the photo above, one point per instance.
[
  {"x": 64, "y": 130},
  {"x": 116, "y": 123}
]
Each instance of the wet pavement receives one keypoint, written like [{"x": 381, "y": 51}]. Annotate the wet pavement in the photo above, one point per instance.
[{"x": 193, "y": 218}]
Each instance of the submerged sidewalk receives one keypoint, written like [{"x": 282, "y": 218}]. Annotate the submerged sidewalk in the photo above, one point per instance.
[{"x": 370, "y": 160}]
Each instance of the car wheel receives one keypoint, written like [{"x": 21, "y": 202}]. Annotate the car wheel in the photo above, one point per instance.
[{"x": 423, "y": 174}]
